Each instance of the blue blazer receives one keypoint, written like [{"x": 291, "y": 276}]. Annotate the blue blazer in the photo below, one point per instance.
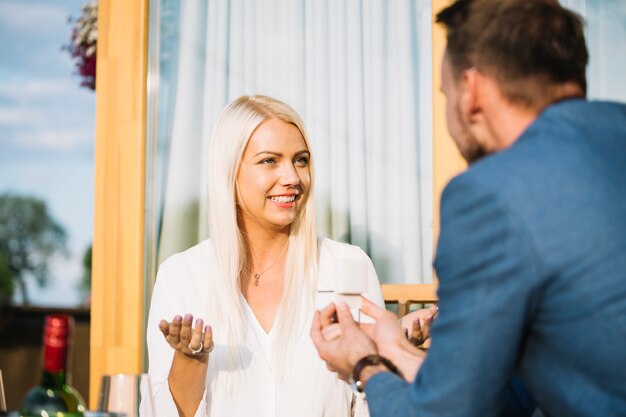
[{"x": 531, "y": 263}]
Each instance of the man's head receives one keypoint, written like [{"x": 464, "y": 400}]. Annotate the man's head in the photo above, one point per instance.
[{"x": 534, "y": 51}]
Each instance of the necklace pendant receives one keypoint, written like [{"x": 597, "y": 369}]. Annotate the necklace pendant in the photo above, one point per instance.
[{"x": 256, "y": 279}]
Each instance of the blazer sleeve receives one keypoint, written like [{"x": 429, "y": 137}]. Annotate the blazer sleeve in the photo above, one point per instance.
[{"x": 489, "y": 277}]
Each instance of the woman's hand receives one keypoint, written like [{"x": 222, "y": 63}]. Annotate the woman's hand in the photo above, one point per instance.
[
  {"x": 195, "y": 342},
  {"x": 417, "y": 324},
  {"x": 187, "y": 378}
]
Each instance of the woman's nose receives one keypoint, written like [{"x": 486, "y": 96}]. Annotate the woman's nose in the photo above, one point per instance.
[{"x": 289, "y": 175}]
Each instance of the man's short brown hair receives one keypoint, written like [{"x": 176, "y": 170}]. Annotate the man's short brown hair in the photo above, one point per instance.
[{"x": 527, "y": 45}]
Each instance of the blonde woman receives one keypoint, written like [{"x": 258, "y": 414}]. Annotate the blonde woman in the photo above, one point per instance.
[{"x": 256, "y": 281}]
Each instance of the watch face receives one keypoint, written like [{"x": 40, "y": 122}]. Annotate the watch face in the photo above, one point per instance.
[{"x": 357, "y": 389}]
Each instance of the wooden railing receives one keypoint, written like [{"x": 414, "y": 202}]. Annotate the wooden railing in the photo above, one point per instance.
[{"x": 404, "y": 295}]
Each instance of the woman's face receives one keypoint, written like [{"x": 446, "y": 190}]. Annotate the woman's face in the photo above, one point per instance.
[{"x": 274, "y": 176}]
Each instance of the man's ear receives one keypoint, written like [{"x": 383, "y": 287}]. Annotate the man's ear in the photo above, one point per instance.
[{"x": 470, "y": 99}]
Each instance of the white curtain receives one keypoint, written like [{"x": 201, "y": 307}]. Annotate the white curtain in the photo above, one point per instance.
[
  {"x": 605, "y": 30},
  {"x": 359, "y": 73},
  {"x": 181, "y": 79}
]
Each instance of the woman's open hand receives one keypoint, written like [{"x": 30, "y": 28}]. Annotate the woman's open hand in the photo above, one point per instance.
[
  {"x": 418, "y": 323},
  {"x": 195, "y": 342}
]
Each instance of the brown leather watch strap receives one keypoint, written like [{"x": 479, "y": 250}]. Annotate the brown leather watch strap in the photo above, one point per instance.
[{"x": 371, "y": 360}]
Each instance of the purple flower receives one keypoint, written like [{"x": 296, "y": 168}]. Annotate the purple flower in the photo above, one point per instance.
[{"x": 83, "y": 45}]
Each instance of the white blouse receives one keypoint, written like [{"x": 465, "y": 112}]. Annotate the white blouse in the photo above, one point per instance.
[{"x": 308, "y": 389}]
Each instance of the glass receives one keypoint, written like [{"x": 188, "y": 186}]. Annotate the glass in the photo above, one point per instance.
[
  {"x": 3, "y": 401},
  {"x": 129, "y": 395}
]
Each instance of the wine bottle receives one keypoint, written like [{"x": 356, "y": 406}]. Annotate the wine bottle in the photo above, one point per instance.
[{"x": 54, "y": 396}]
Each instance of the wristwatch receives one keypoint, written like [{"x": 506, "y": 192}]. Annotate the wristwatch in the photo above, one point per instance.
[
  {"x": 369, "y": 360},
  {"x": 357, "y": 388}
]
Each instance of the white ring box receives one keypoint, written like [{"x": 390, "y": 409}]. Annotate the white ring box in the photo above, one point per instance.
[{"x": 350, "y": 281}]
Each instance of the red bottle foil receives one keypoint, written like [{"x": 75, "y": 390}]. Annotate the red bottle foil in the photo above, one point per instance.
[{"x": 56, "y": 336}]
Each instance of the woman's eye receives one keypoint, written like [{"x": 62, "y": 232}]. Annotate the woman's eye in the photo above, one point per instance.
[
  {"x": 302, "y": 161},
  {"x": 268, "y": 161}
]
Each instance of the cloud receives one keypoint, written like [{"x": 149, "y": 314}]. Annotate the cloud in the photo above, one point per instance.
[
  {"x": 59, "y": 139},
  {"x": 33, "y": 89},
  {"x": 12, "y": 117},
  {"x": 20, "y": 16},
  {"x": 45, "y": 114}
]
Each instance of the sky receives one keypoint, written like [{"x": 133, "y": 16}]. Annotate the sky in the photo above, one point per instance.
[{"x": 47, "y": 130}]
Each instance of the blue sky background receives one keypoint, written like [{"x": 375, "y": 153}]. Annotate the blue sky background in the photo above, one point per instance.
[{"x": 47, "y": 124}]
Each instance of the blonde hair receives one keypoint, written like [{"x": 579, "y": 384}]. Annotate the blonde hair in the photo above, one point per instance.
[{"x": 229, "y": 138}]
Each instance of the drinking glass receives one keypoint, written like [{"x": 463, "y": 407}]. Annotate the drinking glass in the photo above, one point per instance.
[
  {"x": 126, "y": 394},
  {"x": 3, "y": 401}
]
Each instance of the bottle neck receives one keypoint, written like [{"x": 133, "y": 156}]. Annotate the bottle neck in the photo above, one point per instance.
[
  {"x": 55, "y": 348},
  {"x": 54, "y": 380}
]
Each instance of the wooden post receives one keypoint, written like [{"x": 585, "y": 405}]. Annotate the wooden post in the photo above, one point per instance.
[
  {"x": 117, "y": 337},
  {"x": 447, "y": 161}
]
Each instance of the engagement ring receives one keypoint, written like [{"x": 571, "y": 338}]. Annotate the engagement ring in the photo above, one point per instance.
[{"x": 196, "y": 351}]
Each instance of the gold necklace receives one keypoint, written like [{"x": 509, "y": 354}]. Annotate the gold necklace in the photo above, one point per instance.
[{"x": 257, "y": 275}]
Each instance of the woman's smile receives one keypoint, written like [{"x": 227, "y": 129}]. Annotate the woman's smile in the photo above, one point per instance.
[{"x": 284, "y": 200}]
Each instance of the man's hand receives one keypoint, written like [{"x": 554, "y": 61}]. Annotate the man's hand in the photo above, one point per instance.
[
  {"x": 386, "y": 331},
  {"x": 391, "y": 340},
  {"x": 340, "y": 344}
]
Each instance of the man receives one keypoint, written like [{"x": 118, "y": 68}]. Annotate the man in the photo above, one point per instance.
[{"x": 531, "y": 256}]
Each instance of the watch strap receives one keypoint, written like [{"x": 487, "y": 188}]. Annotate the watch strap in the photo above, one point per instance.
[{"x": 371, "y": 360}]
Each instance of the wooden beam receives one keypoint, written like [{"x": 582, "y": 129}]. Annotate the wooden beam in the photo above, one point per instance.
[
  {"x": 447, "y": 161},
  {"x": 406, "y": 294},
  {"x": 117, "y": 337}
]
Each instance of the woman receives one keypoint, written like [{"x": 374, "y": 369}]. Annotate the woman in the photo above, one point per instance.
[{"x": 257, "y": 282}]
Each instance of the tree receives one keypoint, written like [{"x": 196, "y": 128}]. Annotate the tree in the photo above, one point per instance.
[
  {"x": 7, "y": 287},
  {"x": 85, "y": 283},
  {"x": 29, "y": 238}
]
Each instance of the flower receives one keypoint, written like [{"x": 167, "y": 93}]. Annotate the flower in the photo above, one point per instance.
[{"x": 84, "y": 41}]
